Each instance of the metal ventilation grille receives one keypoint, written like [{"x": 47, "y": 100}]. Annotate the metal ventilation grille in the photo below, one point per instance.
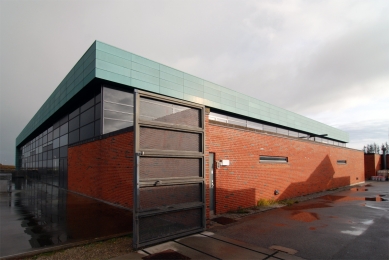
[
  {"x": 153, "y": 110},
  {"x": 166, "y": 196},
  {"x": 172, "y": 223},
  {"x": 161, "y": 139},
  {"x": 167, "y": 167}
]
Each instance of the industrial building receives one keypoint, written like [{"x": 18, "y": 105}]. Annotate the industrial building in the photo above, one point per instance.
[{"x": 175, "y": 148}]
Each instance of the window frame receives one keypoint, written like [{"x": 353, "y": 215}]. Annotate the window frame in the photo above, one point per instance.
[{"x": 273, "y": 159}]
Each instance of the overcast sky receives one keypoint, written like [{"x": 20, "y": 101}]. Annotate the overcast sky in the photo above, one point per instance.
[{"x": 327, "y": 60}]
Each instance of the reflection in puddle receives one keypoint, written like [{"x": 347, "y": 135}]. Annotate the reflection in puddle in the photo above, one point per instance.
[
  {"x": 346, "y": 198},
  {"x": 45, "y": 215},
  {"x": 359, "y": 189},
  {"x": 377, "y": 198}
]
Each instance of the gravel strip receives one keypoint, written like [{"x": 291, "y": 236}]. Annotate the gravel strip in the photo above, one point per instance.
[{"x": 99, "y": 250}]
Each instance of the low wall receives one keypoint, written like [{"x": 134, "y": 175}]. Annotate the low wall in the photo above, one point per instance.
[
  {"x": 103, "y": 169},
  {"x": 372, "y": 163}
]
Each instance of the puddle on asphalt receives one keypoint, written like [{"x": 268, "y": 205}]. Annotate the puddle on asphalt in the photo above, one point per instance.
[
  {"x": 40, "y": 215},
  {"x": 307, "y": 206},
  {"x": 333, "y": 198},
  {"x": 304, "y": 216},
  {"x": 377, "y": 198},
  {"x": 359, "y": 189}
]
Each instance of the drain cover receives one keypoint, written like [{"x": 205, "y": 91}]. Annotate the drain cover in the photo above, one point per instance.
[
  {"x": 224, "y": 220},
  {"x": 167, "y": 254}
]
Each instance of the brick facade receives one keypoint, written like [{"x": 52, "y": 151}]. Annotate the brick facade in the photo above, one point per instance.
[
  {"x": 373, "y": 163},
  {"x": 103, "y": 169},
  {"x": 311, "y": 167}
]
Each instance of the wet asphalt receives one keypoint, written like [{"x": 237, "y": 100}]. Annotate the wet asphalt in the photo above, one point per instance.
[
  {"x": 352, "y": 224},
  {"x": 36, "y": 217}
]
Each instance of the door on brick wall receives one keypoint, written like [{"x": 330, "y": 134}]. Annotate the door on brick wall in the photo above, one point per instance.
[
  {"x": 212, "y": 183},
  {"x": 169, "y": 169}
]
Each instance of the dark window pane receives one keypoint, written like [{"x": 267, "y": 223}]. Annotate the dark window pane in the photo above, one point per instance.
[
  {"x": 40, "y": 156},
  {"x": 87, "y": 117},
  {"x": 87, "y": 132},
  {"x": 50, "y": 129},
  {"x": 56, "y": 153},
  {"x": 56, "y": 133},
  {"x": 49, "y": 137},
  {"x": 87, "y": 105},
  {"x": 40, "y": 141},
  {"x": 50, "y": 154},
  {"x": 74, "y": 113},
  {"x": 97, "y": 127},
  {"x": 50, "y": 164},
  {"x": 97, "y": 111},
  {"x": 74, "y": 136},
  {"x": 63, "y": 151},
  {"x": 56, "y": 143},
  {"x": 63, "y": 140},
  {"x": 44, "y": 156},
  {"x": 44, "y": 139},
  {"x": 98, "y": 98},
  {"x": 45, "y": 132},
  {"x": 113, "y": 125},
  {"x": 56, "y": 125},
  {"x": 63, "y": 129},
  {"x": 74, "y": 123},
  {"x": 63, "y": 120}
]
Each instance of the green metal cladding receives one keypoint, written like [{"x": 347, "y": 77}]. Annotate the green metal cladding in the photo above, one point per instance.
[{"x": 106, "y": 62}]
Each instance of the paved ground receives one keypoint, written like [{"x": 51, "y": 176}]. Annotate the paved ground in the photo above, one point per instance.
[
  {"x": 350, "y": 224},
  {"x": 343, "y": 225},
  {"x": 207, "y": 245}
]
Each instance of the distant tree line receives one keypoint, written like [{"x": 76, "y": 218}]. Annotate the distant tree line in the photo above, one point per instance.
[{"x": 375, "y": 148}]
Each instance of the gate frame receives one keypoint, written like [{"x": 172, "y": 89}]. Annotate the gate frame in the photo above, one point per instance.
[{"x": 179, "y": 154}]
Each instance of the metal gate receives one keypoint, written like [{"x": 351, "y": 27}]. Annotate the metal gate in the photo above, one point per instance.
[{"x": 169, "y": 169}]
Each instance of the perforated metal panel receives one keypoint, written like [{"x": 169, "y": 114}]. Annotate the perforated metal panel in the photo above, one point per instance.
[
  {"x": 164, "y": 226},
  {"x": 169, "y": 169},
  {"x": 165, "y": 196},
  {"x": 164, "y": 139}
]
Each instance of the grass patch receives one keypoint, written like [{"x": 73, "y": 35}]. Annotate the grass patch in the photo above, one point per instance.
[
  {"x": 266, "y": 202},
  {"x": 288, "y": 202}
]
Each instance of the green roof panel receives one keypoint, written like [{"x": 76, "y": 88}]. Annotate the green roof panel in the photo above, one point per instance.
[{"x": 113, "y": 64}]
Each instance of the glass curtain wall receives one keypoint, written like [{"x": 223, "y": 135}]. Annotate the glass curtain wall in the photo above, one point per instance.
[
  {"x": 264, "y": 127},
  {"x": 44, "y": 157},
  {"x": 118, "y": 110}
]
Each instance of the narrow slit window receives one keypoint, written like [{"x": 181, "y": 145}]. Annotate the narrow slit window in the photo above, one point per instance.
[
  {"x": 273, "y": 159},
  {"x": 342, "y": 161}
]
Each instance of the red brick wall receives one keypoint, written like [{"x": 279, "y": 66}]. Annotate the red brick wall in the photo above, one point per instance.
[
  {"x": 312, "y": 167},
  {"x": 373, "y": 163},
  {"x": 103, "y": 169}
]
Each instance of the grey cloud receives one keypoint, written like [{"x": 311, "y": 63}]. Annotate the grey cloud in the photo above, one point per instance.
[{"x": 264, "y": 49}]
